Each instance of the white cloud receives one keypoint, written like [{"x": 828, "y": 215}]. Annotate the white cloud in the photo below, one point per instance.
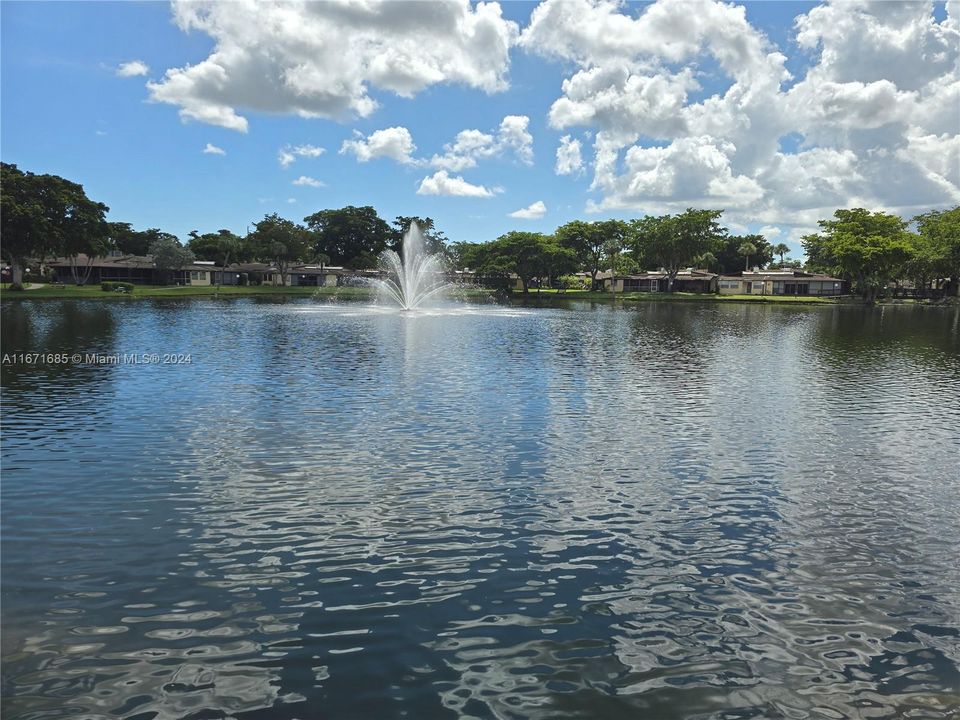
[
  {"x": 535, "y": 211},
  {"x": 471, "y": 146},
  {"x": 569, "y": 159},
  {"x": 287, "y": 155},
  {"x": 440, "y": 183},
  {"x": 133, "y": 68},
  {"x": 770, "y": 232},
  {"x": 323, "y": 59},
  {"x": 212, "y": 149},
  {"x": 309, "y": 181},
  {"x": 395, "y": 143},
  {"x": 874, "y": 120}
]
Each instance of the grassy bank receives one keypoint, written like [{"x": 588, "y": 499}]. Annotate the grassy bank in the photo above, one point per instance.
[{"x": 67, "y": 292}]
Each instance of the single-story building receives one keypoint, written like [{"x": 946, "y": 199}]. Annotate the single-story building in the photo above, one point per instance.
[
  {"x": 689, "y": 280},
  {"x": 315, "y": 275},
  {"x": 781, "y": 282},
  {"x": 137, "y": 269}
]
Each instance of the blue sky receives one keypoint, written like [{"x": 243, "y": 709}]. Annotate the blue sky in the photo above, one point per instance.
[{"x": 775, "y": 161}]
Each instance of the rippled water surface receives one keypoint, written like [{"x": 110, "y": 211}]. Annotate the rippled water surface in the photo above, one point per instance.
[{"x": 662, "y": 511}]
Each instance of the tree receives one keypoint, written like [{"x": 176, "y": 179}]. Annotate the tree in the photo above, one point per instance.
[
  {"x": 280, "y": 241},
  {"x": 747, "y": 249},
  {"x": 434, "y": 241},
  {"x": 707, "y": 261},
  {"x": 780, "y": 249},
  {"x": 939, "y": 232},
  {"x": 352, "y": 236},
  {"x": 124, "y": 239},
  {"x": 872, "y": 248},
  {"x": 674, "y": 241},
  {"x": 587, "y": 241},
  {"x": 730, "y": 259},
  {"x": 168, "y": 255},
  {"x": 529, "y": 255},
  {"x": 463, "y": 255},
  {"x": 46, "y": 214},
  {"x": 220, "y": 247},
  {"x": 26, "y": 228}
]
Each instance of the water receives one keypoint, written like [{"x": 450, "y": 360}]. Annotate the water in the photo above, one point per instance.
[
  {"x": 663, "y": 511},
  {"x": 417, "y": 280}
]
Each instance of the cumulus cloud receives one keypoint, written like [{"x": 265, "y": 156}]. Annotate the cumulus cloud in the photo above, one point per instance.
[
  {"x": 309, "y": 181},
  {"x": 212, "y": 149},
  {"x": 440, "y": 183},
  {"x": 471, "y": 146},
  {"x": 324, "y": 59},
  {"x": 395, "y": 143},
  {"x": 569, "y": 158},
  {"x": 874, "y": 120},
  {"x": 133, "y": 68},
  {"x": 534, "y": 211},
  {"x": 288, "y": 155}
]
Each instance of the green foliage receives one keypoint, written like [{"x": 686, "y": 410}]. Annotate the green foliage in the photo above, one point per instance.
[
  {"x": 780, "y": 249},
  {"x": 124, "y": 239},
  {"x": 529, "y": 255},
  {"x": 938, "y": 245},
  {"x": 281, "y": 242},
  {"x": 116, "y": 286},
  {"x": 675, "y": 241},
  {"x": 593, "y": 243},
  {"x": 42, "y": 215},
  {"x": 731, "y": 260},
  {"x": 168, "y": 255},
  {"x": 352, "y": 236},
  {"x": 434, "y": 241},
  {"x": 873, "y": 248}
]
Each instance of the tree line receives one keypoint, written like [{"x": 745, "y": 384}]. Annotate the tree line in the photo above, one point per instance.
[{"x": 47, "y": 216}]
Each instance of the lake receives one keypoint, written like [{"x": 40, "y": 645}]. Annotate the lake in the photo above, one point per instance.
[{"x": 661, "y": 510}]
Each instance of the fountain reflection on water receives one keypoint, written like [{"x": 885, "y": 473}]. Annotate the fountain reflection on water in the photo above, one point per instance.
[{"x": 415, "y": 279}]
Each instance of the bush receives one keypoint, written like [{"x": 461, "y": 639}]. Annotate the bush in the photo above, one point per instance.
[{"x": 116, "y": 286}]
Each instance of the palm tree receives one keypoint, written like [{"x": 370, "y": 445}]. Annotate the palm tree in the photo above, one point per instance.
[
  {"x": 705, "y": 261},
  {"x": 747, "y": 249},
  {"x": 780, "y": 249}
]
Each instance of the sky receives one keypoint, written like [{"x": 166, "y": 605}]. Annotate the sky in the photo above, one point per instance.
[{"x": 487, "y": 117}]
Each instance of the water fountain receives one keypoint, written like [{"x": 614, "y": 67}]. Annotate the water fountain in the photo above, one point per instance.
[{"x": 415, "y": 278}]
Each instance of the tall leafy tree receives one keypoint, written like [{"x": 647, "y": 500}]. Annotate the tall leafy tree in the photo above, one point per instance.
[
  {"x": 731, "y": 260},
  {"x": 282, "y": 242},
  {"x": 352, "y": 236},
  {"x": 46, "y": 214},
  {"x": 122, "y": 237},
  {"x": 872, "y": 248},
  {"x": 940, "y": 237},
  {"x": 587, "y": 241},
  {"x": 26, "y": 225},
  {"x": 169, "y": 255},
  {"x": 434, "y": 241},
  {"x": 674, "y": 241},
  {"x": 529, "y": 255}
]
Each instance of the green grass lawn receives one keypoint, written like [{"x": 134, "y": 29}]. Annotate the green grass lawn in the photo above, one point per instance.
[{"x": 160, "y": 291}]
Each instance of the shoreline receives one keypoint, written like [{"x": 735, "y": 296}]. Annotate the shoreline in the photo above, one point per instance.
[{"x": 149, "y": 292}]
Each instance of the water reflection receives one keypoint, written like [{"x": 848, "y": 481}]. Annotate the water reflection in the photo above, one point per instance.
[{"x": 662, "y": 511}]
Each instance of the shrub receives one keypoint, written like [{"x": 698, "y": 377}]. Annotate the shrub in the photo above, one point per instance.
[{"x": 116, "y": 286}]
